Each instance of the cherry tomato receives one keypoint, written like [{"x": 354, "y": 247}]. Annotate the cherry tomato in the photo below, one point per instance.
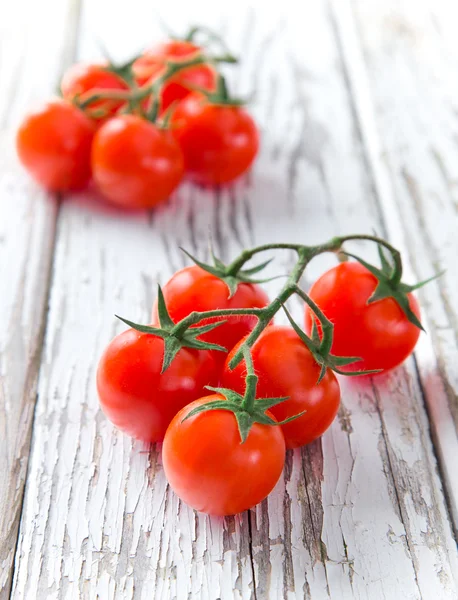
[
  {"x": 135, "y": 164},
  {"x": 193, "y": 289},
  {"x": 379, "y": 333},
  {"x": 84, "y": 79},
  {"x": 133, "y": 393},
  {"x": 286, "y": 367},
  {"x": 54, "y": 145},
  {"x": 210, "y": 469},
  {"x": 219, "y": 142},
  {"x": 151, "y": 64}
]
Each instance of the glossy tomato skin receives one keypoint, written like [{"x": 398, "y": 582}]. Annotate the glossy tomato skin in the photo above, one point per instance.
[
  {"x": 286, "y": 367},
  {"x": 83, "y": 79},
  {"x": 54, "y": 145},
  {"x": 193, "y": 289},
  {"x": 379, "y": 333},
  {"x": 210, "y": 469},
  {"x": 135, "y": 164},
  {"x": 219, "y": 142},
  {"x": 151, "y": 64},
  {"x": 133, "y": 393}
]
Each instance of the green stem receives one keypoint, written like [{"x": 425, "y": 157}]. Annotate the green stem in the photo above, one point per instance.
[
  {"x": 196, "y": 317},
  {"x": 189, "y": 37},
  {"x": 135, "y": 94},
  {"x": 305, "y": 254},
  {"x": 251, "y": 382},
  {"x": 212, "y": 36},
  {"x": 235, "y": 266},
  {"x": 327, "y": 328},
  {"x": 396, "y": 255},
  {"x": 172, "y": 68}
]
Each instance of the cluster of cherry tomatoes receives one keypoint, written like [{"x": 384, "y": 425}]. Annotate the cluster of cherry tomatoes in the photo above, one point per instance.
[
  {"x": 220, "y": 455},
  {"x": 136, "y": 130}
]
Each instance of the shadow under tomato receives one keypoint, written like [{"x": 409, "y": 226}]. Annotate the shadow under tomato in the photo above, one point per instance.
[{"x": 91, "y": 199}]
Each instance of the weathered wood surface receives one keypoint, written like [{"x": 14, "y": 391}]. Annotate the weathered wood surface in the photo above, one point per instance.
[
  {"x": 359, "y": 514},
  {"x": 408, "y": 85},
  {"x": 31, "y": 59}
]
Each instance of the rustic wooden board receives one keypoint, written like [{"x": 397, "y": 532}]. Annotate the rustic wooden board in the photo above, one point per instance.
[
  {"x": 360, "y": 514},
  {"x": 31, "y": 58},
  {"x": 410, "y": 47}
]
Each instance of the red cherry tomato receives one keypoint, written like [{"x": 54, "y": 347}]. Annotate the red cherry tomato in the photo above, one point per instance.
[
  {"x": 193, "y": 289},
  {"x": 210, "y": 469},
  {"x": 135, "y": 164},
  {"x": 379, "y": 333},
  {"x": 219, "y": 142},
  {"x": 286, "y": 367},
  {"x": 133, "y": 393},
  {"x": 54, "y": 145},
  {"x": 83, "y": 80},
  {"x": 151, "y": 64}
]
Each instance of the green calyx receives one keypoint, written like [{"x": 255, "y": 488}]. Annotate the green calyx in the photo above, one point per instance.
[
  {"x": 210, "y": 36},
  {"x": 247, "y": 409},
  {"x": 232, "y": 276},
  {"x": 320, "y": 348},
  {"x": 221, "y": 95},
  {"x": 174, "y": 341},
  {"x": 124, "y": 71},
  {"x": 390, "y": 285}
]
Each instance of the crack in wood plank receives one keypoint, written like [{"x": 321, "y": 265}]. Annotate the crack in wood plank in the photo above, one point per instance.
[
  {"x": 388, "y": 466},
  {"x": 20, "y": 360}
]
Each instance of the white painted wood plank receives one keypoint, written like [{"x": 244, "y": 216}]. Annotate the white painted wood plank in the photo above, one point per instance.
[
  {"x": 411, "y": 47},
  {"x": 31, "y": 58},
  {"x": 80, "y": 556},
  {"x": 360, "y": 514}
]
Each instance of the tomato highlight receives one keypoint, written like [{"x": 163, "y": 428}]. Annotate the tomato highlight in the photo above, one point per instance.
[
  {"x": 54, "y": 144},
  {"x": 210, "y": 469},
  {"x": 135, "y": 164},
  {"x": 219, "y": 142},
  {"x": 379, "y": 333},
  {"x": 136, "y": 396},
  {"x": 152, "y": 64},
  {"x": 286, "y": 367},
  {"x": 194, "y": 289}
]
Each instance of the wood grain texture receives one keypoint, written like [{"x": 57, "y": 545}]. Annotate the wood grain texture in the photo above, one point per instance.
[
  {"x": 30, "y": 61},
  {"x": 360, "y": 514},
  {"x": 411, "y": 136},
  {"x": 26, "y": 240}
]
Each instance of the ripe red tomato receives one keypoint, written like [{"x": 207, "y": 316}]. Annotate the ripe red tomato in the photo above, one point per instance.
[
  {"x": 219, "y": 142},
  {"x": 151, "y": 64},
  {"x": 286, "y": 367},
  {"x": 379, "y": 333},
  {"x": 134, "y": 163},
  {"x": 84, "y": 79},
  {"x": 193, "y": 289},
  {"x": 210, "y": 469},
  {"x": 134, "y": 394},
  {"x": 54, "y": 145}
]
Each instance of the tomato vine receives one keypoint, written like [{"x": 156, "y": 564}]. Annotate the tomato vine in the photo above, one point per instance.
[
  {"x": 389, "y": 278},
  {"x": 134, "y": 95}
]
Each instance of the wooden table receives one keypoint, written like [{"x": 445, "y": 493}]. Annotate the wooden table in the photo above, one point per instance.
[{"x": 358, "y": 104}]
